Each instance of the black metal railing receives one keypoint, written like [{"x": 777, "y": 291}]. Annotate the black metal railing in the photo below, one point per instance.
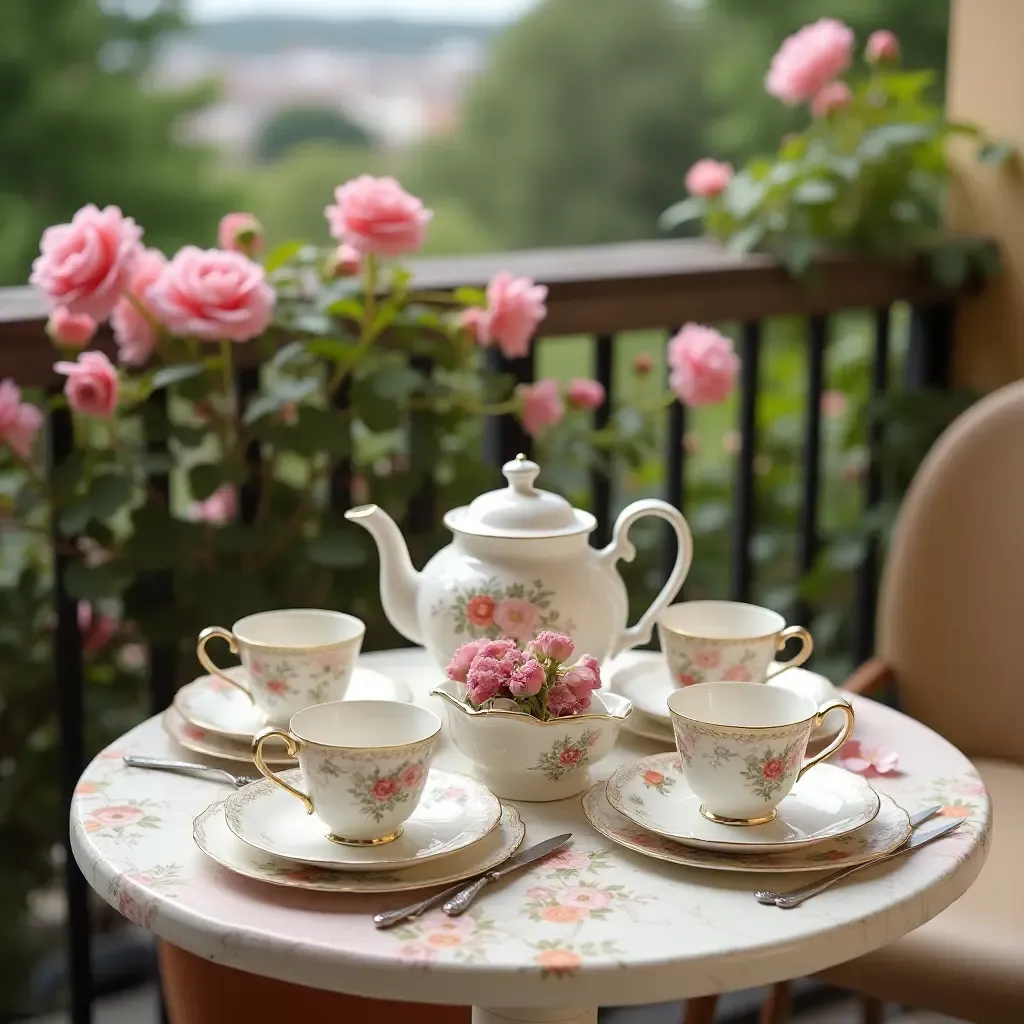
[{"x": 601, "y": 292}]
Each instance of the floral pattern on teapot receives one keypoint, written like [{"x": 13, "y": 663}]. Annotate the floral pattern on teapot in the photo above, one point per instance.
[{"x": 491, "y": 609}]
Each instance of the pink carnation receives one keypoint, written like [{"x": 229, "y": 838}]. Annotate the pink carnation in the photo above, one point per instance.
[
  {"x": 240, "y": 232},
  {"x": 70, "y": 330},
  {"x": 563, "y": 702},
  {"x": 708, "y": 178},
  {"x": 515, "y": 306},
  {"x": 883, "y": 46},
  {"x": 704, "y": 365},
  {"x": 809, "y": 59},
  {"x": 584, "y": 677},
  {"x": 212, "y": 294},
  {"x": 377, "y": 215},
  {"x": 500, "y": 649},
  {"x": 556, "y": 646},
  {"x": 542, "y": 406},
  {"x": 85, "y": 265},
  {"x": 458, "y": 667},
  {"x": 584, "y": 393},
  {"x": 527, "y": 679},
  {"x": 135, "y": 333},
  {"x": 219, "y": 508},
  {"x": 487, "y": 677},
  {"x": 834, "y": 96},
  {"x": 19, "y": 421},
  {"x": 92, "y": 386}
]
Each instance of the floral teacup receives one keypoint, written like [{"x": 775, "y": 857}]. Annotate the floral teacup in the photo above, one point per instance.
[
  {"x": 364, "y": 762},
  {"x": 295, "y": 657},
  {"x": 741, "y": 745},
  {"x": 712, "y": 641}
]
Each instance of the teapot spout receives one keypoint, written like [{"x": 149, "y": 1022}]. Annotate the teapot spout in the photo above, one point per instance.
[{"x": 399, "y": 581}]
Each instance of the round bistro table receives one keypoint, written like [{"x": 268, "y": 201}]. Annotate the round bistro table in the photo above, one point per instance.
[{"x": 595, "y": 925}]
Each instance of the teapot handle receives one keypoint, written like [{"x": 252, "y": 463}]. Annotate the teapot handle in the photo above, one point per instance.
[{"x": 622, "y": 547}]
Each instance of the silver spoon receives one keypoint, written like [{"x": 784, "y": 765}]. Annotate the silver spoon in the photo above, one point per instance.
[{"x": 188, "y": 768}]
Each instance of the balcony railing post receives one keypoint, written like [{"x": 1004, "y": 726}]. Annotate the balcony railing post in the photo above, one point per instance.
[
  {"x": 743, "y": 519},
  {"x": 600, "y": 475},
  {"x": 675, "y": 476},
  {"x": 930, "y": 353}
]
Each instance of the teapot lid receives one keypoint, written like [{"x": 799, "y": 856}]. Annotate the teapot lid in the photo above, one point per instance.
[{"x": 520, "y": 509}]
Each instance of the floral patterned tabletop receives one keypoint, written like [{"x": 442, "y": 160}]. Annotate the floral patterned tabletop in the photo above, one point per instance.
[{"x": 594, "y": 925}]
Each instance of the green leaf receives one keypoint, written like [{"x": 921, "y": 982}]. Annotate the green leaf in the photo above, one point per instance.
[
  {"x": 876, "y": 143},
  {"x": 348, "y": 309},
  {"x": 168, "y": 375},
  {"x": 205, "y": 478},
  {"x": 93, "y": 583},
  {"x": 106, "y": 496},
  {"x": 847, "y": 554},
  {"x": 995, "y": 153},
  {"x": 286, "y": 353},
  {"x": 814, "y": 191},
  {"x": 340, "y": 351},
  {"x": 396, "y": 381},
  {"x": 681, "y": 213},
  {"x": 283, "y": 254},
  {"x": 746, "y": 238},
  {"x": 189, "y": 436},
  {"x": 156, "y": 540},
  {"x": 337, "y": 549},
  {"x": 744, "y": 195},
  {"x": 317, "y": 430},
  {"x": 798, "y": 254},
  {"x": 471, "y": 296}
]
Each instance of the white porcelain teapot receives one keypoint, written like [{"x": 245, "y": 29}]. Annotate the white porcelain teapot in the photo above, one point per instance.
[{"x": 520, "y": 563}]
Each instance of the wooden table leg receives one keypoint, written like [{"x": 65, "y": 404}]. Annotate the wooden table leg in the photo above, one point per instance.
[
  {"x": 700, "y": 1011},
  {"x": 872, "y": 1010},
  {"x": 775, "y": 1008},
  {"x": 199, "y": 992},
  {"x": 535, "y": 1016}
]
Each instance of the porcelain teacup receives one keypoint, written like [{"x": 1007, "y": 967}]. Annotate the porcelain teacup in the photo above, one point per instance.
[
  {"x": 295, "y": 657},
  {"x": 741, "y": 745},
  {"x": 705, "y": 641},
  {"x": 364, "y": 764}
]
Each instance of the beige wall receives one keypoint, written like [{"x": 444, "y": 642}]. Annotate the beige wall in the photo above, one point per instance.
[{"x": 986, "y": 86}]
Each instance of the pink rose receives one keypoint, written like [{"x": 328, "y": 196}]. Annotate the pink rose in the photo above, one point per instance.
[
  {"x": 384, "y": 789},
  {"x": 832, "y": 97},
  {"x": 584, "y": 393},
  {"x": 240, "y": 232},
  {"x": 345, "y": 261},
  {"x": 212, "y": 294},
  {"x": 219, "y": 508},
  {"x": 527, "y": 680},
  {"x": 737, "y": 674},
  {"x": 808, "y": 60},
  {"x": 85, "y": 265},
  {"x": 707, "y": 658},
  {"x": 708, "y": 178},
  {"x": 567, "y": 860},
  {"x": 883, "y": 47},
  {"x": 515, "y": 306},
  {"x": 458, "y": 667},
  {"x": 377, "y": 215},
  {"x": 643, "y": 363},
  {"x": 19, "y": 421},
  {"x": 97, "y": 630},
  {"x": 480, "y": 610},
  {"x": 411, "y": 776},
  {"x": 92, "y": 385},
  {"x": 556, "y": 646},
  {"x": 135, "y": 333},
  {"x": 516, "y": 617},
  {"x": 70, "y": 330},
  {"x": 119, "y": 815},
  {"x": 542, "y": 406},
  {"x": 704, "y": 365},
  {"x": 833, "y": 403}
]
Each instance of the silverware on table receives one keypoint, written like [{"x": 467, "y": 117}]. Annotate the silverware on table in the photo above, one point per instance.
[
  {"x": 188, "y": 768},
  {"x": 387, "y": 918},
  {"x": 918, "y": 839},
  {"x": 462, "y": 900}
]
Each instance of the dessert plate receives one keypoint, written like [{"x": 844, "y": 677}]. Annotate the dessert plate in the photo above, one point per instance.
[
  {"x": 454, "y": 812},
  {"x": 826, "y": 803},
  {"x": 222, "y": 709},
  {"x": 886, "y": 833},
  {"x": 221, "y": 845},
  {"x": 650, "y": 728},
  {"x": 202, "y": 741}
]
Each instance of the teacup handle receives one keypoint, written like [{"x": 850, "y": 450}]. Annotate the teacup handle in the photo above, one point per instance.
[
  {"x": 204, "y": 659},
  {"x": 292, "y": 745},
  {"x": 806, "y": 647},
  {"x": 843, "y": 736}
]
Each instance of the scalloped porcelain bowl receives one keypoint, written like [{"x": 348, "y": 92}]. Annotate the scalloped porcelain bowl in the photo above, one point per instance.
[{"x": 520, "y": 758}]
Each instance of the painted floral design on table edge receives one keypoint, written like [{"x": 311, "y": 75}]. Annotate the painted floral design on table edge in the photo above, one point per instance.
[
  {"x": 569, "y": 862},
  {"x": 961, "y": 797},
  {"x": 562, "y": 960},
  {"x": 426, "y": 938},
  {"x": 573, "y": 904},
  {"x": 566, "y": 755},
  {"x": 141, "y": 908},
  {"x": 706, "y": 665},
  {"x": 767, "y": 771},
  {"x": 119, "y": 819},
  {"x": 492, "y": 609},
  {"x": 378, "y": 793}
]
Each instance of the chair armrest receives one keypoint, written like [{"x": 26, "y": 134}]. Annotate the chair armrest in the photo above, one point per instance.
[{"x": 870, "y": 678}]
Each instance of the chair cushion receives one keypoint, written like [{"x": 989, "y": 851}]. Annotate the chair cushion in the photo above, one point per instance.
[{"x": 969, "y": 961}]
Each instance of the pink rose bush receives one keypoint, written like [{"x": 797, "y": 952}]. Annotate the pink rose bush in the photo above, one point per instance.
[
  {"x": 703, "y": 365},
  {"x": 584, "y": 393},
  {"x": 708, "y": 178},
  {"x": 882, "y": 47},
  {"x": 541, "y": 406},
  {"x": 515, "y": 307},
  {"x": 70, "y": 330},
  {"x": 535, "y": 677},
  {"x": 377, "y": 215},
  {"x": 834, "y": 96},
  {"x": 92, "y": 384},
  {"x": 809, "y": 60},
  {"x": 133, "y": 320},
  {"x": 19, "y": 421},
  {"x": 240, "y": 232}
]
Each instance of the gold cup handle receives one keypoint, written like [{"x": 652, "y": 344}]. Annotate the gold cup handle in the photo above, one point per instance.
[
  {"x": 844, "y": 733},
  {"x": 806, "y": 646},
  {"x": 204, "y": 659},
  {"x": 292, "y": 745}
]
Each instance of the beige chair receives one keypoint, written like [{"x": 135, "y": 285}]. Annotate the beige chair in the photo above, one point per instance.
[{"x": 951, "y": 637}]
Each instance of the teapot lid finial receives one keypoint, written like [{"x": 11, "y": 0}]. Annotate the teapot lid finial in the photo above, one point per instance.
[{"x": 520, "y": 474}]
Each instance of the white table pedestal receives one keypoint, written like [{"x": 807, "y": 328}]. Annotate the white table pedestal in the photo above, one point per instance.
[{"x": 512, "y": 1016}]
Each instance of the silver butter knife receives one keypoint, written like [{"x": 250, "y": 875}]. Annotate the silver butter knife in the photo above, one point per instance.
[
  {"x": 388, "y": 918},
  {"x": 187, "y": 768},
  {"x": 461, "y": 901},
  {"x": 918, "y": 839},
  {"x": 769, "y": 896}
]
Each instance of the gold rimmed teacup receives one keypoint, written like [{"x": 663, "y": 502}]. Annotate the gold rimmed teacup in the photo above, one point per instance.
[
  {"x": 364, "y": 763},
  {"x": 741, "y": 746}
]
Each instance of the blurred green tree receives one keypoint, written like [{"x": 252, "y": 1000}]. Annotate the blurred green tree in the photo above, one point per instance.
[
  {"x": 582, "y": 126},
  {"x": 79, "y": 123},
  {"x": 294, "y": 126}
]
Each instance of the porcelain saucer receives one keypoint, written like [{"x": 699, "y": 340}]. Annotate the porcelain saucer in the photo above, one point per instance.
[
  {"x": 650, "y": 728},
  {"x": 454, "y": 812},
  {"x": 826, "y": 803},
  {"x": 643, "y": 677},
  {"x": 222, "y": 709},
  {"x": 202, "y": 741},
  {"x": 220, "y": 844},
  {"x": 889, "y": 830}
]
